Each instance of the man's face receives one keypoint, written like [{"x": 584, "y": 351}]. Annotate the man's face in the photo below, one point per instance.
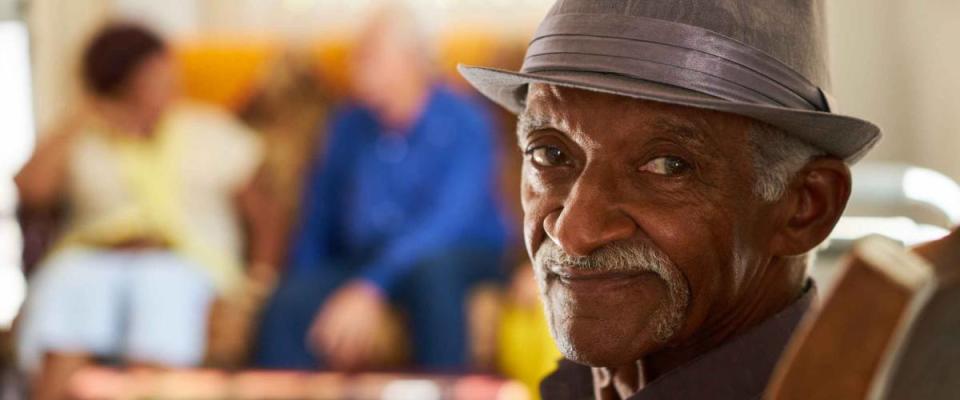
[{"x": 640, "y": 219}]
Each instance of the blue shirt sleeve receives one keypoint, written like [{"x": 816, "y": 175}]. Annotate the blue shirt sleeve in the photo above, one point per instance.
[
  {"x": 463, "y": 186},
  {"x": 313, "y": 240}
]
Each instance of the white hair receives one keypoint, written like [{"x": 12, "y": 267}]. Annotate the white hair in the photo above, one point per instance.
[
  {"x": 777, "y": 157},
  {"x": 406, "y": 25}
]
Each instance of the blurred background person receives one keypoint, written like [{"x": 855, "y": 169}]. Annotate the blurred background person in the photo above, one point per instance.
[
  {"x": 399, "y": 210},
  {"x": 153, "y": 188}
]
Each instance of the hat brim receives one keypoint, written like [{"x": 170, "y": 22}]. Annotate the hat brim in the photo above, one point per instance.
[{"x": 844, "y": 137}]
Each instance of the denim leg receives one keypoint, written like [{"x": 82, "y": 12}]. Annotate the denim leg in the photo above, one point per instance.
[
  {"x": 287, "y": 317},
  {"x": 434, "y": 297}
]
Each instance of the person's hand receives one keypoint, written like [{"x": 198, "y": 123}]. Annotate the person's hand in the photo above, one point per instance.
[{"x": 345, "y": 331}]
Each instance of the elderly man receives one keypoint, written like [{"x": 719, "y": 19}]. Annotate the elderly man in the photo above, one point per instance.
[{"x": 682, "y": 159}]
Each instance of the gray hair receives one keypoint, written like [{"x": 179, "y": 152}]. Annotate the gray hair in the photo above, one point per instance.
[
  {"x": 407, "y": 27},
  {"x": 777, "y": 157}
]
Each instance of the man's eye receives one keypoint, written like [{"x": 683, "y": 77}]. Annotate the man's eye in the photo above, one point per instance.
[
  {"x": 548, "y": 156},
  {"x": 668, "y": 166}
]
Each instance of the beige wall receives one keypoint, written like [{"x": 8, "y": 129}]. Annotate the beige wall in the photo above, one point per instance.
[
  {"x": 897, "y": 63},
  {"x": 58, "y": 29}
]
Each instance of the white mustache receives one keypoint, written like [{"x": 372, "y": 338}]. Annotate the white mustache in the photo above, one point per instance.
[
  {"x": 628, "y": 257},
  {"x": 615, "y": 257}
]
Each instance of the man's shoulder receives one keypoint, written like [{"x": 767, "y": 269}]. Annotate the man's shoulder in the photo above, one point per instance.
[{"x": 209, "y": 126}]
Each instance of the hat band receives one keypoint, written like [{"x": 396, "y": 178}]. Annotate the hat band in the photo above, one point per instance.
[{"x": 669, "y": 53}]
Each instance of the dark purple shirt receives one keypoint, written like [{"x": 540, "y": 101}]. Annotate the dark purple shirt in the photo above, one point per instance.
[{"x": 738, "y": 369}]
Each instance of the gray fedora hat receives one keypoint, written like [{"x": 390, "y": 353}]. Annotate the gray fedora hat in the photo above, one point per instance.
[{"x": 761, "y": 59}]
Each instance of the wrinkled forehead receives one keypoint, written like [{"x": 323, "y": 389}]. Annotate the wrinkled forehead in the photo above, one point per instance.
[{"x": 581, "y": 112}]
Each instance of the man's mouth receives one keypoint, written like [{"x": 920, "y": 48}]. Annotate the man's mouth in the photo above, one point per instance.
[{"x": 572, "y": 275}]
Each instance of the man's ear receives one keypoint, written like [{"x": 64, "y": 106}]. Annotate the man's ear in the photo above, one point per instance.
[{"x": 811, "y": 206}]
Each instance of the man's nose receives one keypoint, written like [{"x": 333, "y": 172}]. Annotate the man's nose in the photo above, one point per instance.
[{"x": 591, "y": 217}]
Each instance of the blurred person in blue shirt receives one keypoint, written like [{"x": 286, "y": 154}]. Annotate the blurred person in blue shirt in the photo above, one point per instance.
[{"x": 400, "y": 210}]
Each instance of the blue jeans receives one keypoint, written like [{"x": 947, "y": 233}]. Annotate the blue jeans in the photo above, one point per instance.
[{"x": 433, "y": 295}]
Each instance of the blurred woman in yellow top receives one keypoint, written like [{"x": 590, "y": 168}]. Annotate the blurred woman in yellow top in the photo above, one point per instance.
[{"x": 154, "y": 190}]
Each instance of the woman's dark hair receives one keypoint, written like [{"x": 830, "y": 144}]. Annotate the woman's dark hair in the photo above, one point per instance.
[{"x": 114, "y": 53}]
